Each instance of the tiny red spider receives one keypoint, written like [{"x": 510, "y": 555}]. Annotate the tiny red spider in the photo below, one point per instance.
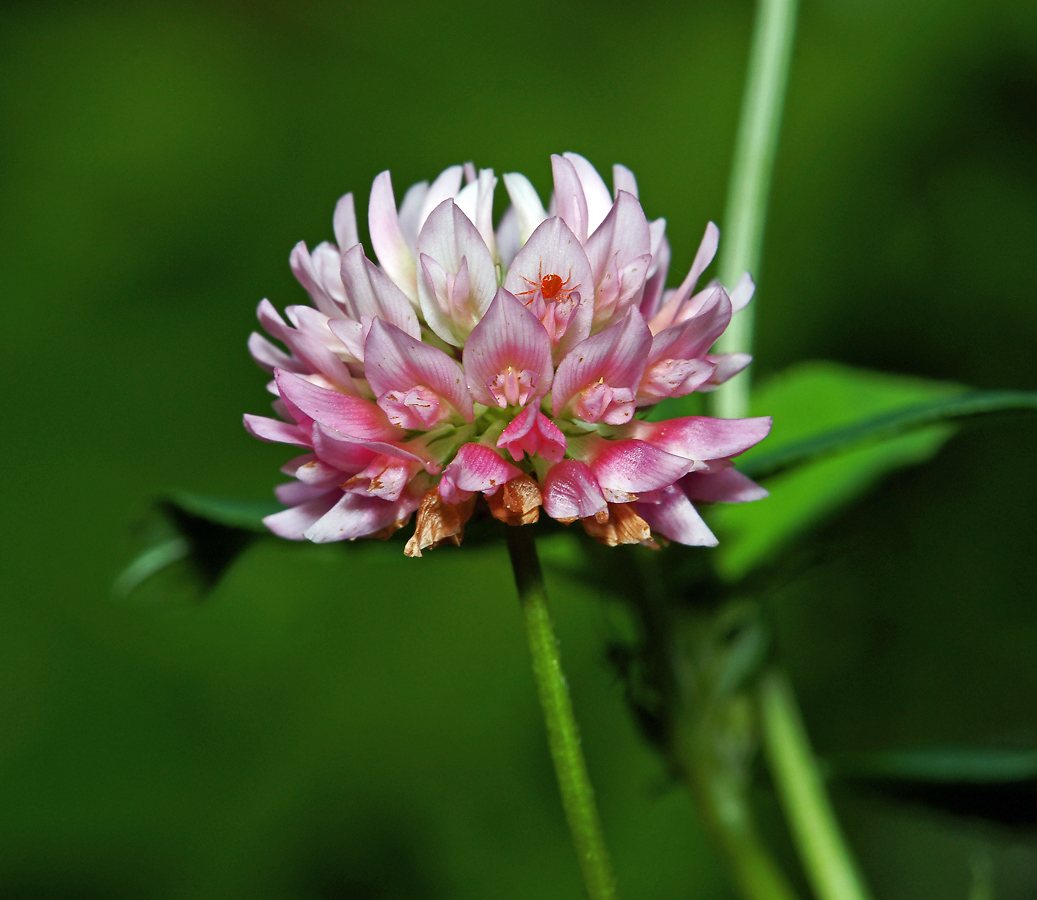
[{"x": 548, "y": 285}]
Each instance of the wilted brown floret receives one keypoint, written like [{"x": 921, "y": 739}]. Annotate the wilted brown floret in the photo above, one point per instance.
[
  {"x": 517, "y": 502},
  {"x": 624, "y": 526},
  {"x": 439, "y": 523}
]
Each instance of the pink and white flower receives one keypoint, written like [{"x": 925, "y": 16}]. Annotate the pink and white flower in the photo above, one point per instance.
[{"x": 515, "y": 364}]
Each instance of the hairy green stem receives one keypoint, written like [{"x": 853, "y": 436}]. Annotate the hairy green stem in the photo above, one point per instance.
[
  {"x": 746, "y": 210},
  {"x": 563, "y": 735},
  {"x": 827, "y": 859}
]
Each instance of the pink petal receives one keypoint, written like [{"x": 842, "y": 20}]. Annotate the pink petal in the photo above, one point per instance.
[
  {"x": 277, "y": 432},
  {"x": 313, "y": 472},
  {"x": 727, "y": 366},
  {"x": 693, "y": 337},
  {"x": 390, "y": 245},
  {"x": 623, "y": 180},
  {"x": 452, "y": 241},
  {"x": 344, "y": 223},
  {"x": 371, "y": 293},
  {"x": 475, "y": 200},
  {"x": 344, "y": 455},
  {"x": 509, "y": 344},
  {"x": 529, "y": 211},
  {"x": 351, "y": 334},
  {"x": 672, "y": 515},
  {"x": 657, "y": 271},
  {"x": 445, "y": 187},
  {"x": 701, "y": 437},
  {"x": 508, "y": 241},
  {"x": 338, "y": 449},
  {"x": 297, "y": 462},
  {"x": 410, "y": 211},
  {"x": 532, "y": 432},
  {"x": 270, "y": 357},
  {"x": 475, "y": 468},
  {"x": 384, "y": 477},
  {"x": 569, "y": 197},
  {"x": 571, "y": 491},
  {"x": 310, "y": 344},
  {"x": 325, "y": 261},
  {"x": 742, "y": 292},
  {"x": 554, "y": 250},
  {"x": 618, "y": 252},
  {"x": 725, "y": 486},
  {"x": 675, "y": 304},
  {"x": 293, "y": 523},
  {"x": 349, "y": 415},
  {"x": 615, "y": 359},
  {"x": 627, "y": 468},
  {"x": 394, "y": 361},
  {"x": 666, "y": 378},
  {"x": 303, "y": 269},
  {"x": 356, "y": 516},
  {"x": 295, "y": 493},
  {"x": 595, "y": 191}
]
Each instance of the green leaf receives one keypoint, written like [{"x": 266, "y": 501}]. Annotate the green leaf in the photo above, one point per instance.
[
  {"x": 808, "y": 402},
  {"x": 975, "y": 765},
  {"x": 196, "y": 540},
  {"x": 884, "y": 427},
  {"x": 837, "y": 431},
  {"x": 997, "y": 785},
  {"x": 244, "y": 514}
]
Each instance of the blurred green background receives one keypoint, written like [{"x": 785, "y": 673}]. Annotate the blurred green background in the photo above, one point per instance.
[{"x": 343, "y": 725}]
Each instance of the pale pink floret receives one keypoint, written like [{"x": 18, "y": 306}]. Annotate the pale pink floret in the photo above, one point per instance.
[
  {"x": 625, "y": 469},
  {"x": 534, "y": 433},
  {"x": 701, "y": 438},
  {"x": 525, "y": 202},
  {"x": 569, "y": 197},
  {"x": 507, "y": 357},
  {"x": 618, "y": 252},
  {"x": 476, "y": 468},
  {"x": 458, "y": 280},
  {"x": 599, "y": 377},
  {"x": 572, "y": 492},
  {"x": 419, "y": 383},
  {"x": 390, "y": 246},
  {"x": 679, "y": 362},
  {"x": 676, "y": 306},
  {"x": 726, "y": 485},
  {"x": 669, "y": 513},
  {"x": 553, "y": 256},
  {"x": 416, "y": 385}
]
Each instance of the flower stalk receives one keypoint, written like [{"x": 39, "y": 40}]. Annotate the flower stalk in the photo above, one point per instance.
[
  {"x": 725, "y": 807},
  {"x": 825, "y": 855},
  {"x": 748, "y": 189},
  {"x": 563, "y": 734},
  {"x": 827, "y": 859}
]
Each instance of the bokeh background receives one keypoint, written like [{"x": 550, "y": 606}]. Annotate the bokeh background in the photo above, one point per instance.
[{"x": 343, "y": 725}]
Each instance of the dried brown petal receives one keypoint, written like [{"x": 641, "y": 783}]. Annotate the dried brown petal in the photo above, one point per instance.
[
  {"x": 624, "y": 526},
  {"x": 439, "y": 522},
  {"x": 517, "y": 502}
]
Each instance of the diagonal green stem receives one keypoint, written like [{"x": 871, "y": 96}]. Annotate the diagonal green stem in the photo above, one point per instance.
[
  {"x": 725, "y": 807},
  {"x": 563, "y": 735},
  {"x": 827, "y": 859},
  {"x": 746, "y": 210}
]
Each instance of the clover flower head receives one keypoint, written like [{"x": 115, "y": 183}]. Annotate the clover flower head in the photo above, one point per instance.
[{"x": 513, "y": 363}]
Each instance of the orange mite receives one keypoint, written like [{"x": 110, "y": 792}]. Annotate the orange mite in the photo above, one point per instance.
[{"x": 550, "y": 285}]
